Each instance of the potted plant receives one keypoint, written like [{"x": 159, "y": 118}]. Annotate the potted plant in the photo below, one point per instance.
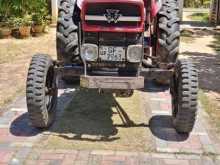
[
  {"x": 38, "y": 23},
  {"x": 24, "y": 25},
  {"x": 39, "y": 17},
  {"x": 5, "y": 24},
  {"x": 5, "y": 28}
]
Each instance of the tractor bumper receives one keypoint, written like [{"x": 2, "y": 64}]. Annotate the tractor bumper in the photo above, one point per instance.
[
  {"x": 110, "y": 82},
  {"x": 115, "y": 82}
]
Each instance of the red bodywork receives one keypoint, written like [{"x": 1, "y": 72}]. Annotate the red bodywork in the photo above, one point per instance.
[
  {"x": 148, "y": 10},
  {"x": 155, "y": 7},
  {"x": 96, "y": 28}
]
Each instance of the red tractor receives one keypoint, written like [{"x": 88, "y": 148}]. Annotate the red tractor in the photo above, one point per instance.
[{"x": 115, "y": 45}]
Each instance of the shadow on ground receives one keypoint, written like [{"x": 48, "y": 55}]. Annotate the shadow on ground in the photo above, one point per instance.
[
  {"x": 209, "y": 69},
  {"x": 196, "y": 24},
  {"x": 21, "y": 127},
  {"x": 89, "y": 117},
  {"x": 90, "y": 114},
  {"x": 161, "y": 126}
]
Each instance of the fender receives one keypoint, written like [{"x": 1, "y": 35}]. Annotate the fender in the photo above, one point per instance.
[{"x": 155, "y": 7}]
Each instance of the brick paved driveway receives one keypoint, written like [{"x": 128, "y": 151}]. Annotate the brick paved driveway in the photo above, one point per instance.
[{"x": 18, "y": 139}]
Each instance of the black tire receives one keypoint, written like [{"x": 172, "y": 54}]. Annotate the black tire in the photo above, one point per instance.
[
  {"x": 184, "y": 91},
  {"x": 167, "y": 31},
  {"x": 41, "y": 91},
  {"x": 67, "y": 32}
]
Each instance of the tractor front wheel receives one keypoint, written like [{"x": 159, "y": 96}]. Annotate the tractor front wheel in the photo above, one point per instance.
[
  {"x": 41, "y": 91},
  {"x": 184, "y": 90}
]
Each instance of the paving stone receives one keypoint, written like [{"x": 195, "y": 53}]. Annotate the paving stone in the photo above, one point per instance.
[
  {"x": 51, "y": 156},
  {"x": 207, "y": 161},
  {"x": 63, "y": 151},
  {"x": 209, "y": 149},
  {"x": 83, "y": 155},
  {"x": 176, "y": 162},
  {"x": 126, "y": 153},
  {"x": 79, "y": 162},
  {"x": 145, "y": 158},
  {"x": 4, "y": 121},
  {"x": 163, "y": 155},
  {"x": 16, "y": 161},
  {"x": 132, "y": 160},
  {"x": 165, "y": 106},
  {"x": 161, "y": 143},
  {"x": 188, "y": 156},
  {"x": 95, "y": 159},
  {"x": 191, "y": 150},
  {"x": 23, "y": 153},
  {"x": 49, "y": 151},
  {"x": 9, "y": 115},
  {"x": 34, "y": 155},
  {"x": 43, "y": 162},
  {"x": 156, "y": 161},
  {"x": 113, "y": 158},
  {"x": 21, "y": 144},
  {"x": 31, "y": 162},
  {"x": 5, "y": 145},
  {"x": 55, "y": 162},
  {"x": 107, "y": 162},
  {"x": 5, "y": 156},
  {"x": 205, "y": 140},
  {"x": 18, "y": 109},
  {"x": 102, "y": 152},
  {"x": 217, "y": 162},
  {"x": 195, "y": 162},
  {"x": 155, "y": 105},
  {"x": 69, "y": 159},
  {"x": 168, "y": 150},
  {"x": 152, "y": 99},
  {"x": 160, "y": 112}
]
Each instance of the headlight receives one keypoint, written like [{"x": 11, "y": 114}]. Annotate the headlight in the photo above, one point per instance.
[
  {"x": 89, "y": 52},
  {"x": 134, "y": 53}
]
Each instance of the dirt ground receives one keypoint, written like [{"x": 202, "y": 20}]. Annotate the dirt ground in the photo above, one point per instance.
[
  {"x": 15, "y": 55},
  {"x": 203, "y": 48}
]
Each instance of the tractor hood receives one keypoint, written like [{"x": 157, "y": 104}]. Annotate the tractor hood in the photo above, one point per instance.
[{"x": 112, "y": 15}]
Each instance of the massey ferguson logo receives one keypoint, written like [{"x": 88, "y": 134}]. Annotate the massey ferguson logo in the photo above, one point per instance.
[{"x": 112, "y": 15}]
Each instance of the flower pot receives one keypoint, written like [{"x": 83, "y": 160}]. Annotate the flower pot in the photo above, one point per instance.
[
  {"x": 5, "y": 32},
  {"x": 38, "y": 28},
  {"x": 25, "y": 31}
]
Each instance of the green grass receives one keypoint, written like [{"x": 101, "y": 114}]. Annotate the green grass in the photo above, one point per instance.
[
  {"x": 202, "y": 17},
  {"x": 211, "y": 108}
]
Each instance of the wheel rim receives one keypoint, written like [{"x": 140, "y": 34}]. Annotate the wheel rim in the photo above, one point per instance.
[
  {"x": 175, "y": 96},
  {"x": 50, "y": 89}
]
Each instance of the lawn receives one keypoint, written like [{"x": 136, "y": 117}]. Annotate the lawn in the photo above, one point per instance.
[{"x": 202, "y": 17}]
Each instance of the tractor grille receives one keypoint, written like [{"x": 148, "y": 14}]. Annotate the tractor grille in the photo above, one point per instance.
[{"x": 113, "y": 14}]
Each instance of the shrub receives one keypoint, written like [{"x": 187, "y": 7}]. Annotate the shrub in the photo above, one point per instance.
[{"x": 22, "y": 21}]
